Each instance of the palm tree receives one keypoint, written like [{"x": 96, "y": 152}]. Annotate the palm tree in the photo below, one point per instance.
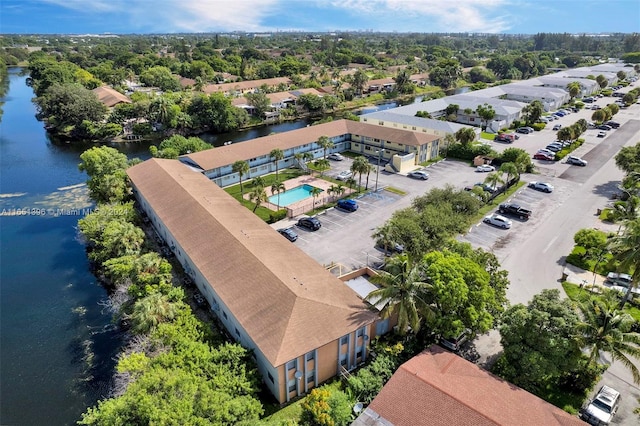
[
  {"x": 277, "y": 154},
  {"x": 151, "y": 311},
  {"x": 493, "y": 179},
  {"x": 332, "y": 190},
  {"x": 401, "y": 292},
  {"x": 350, "y": 183},
  {"x": 626, "y": 250},
  {"x": 241, "y": 167},
  {"x": 315, "y": 193},
  {"x": 605, "y": 329},
  {"x": 258, "y": 195},
  {"x": 360, "y": 165},
  {"x": 339, "y": 191},
  {"x": 510, "y": 169},
  {"x": 465, "y": 135},
  {"x": 325, "y": 143},
  {"x": 368, "y": 172},
  {"x": 323, "y": 165},
  {"x": 277, "y": 187},
  {"x": 258, "y": 181},
  {"x": 626, "y": 210},
  {"x": 574, "y": 89}
]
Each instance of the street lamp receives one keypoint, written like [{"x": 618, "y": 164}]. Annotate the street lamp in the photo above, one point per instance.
[{"x": 379, "y": 152}]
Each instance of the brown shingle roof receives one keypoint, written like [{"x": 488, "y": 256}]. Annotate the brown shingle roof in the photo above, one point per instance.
[
  {"x": 286, "y": 302},
  {"x": 109, "y": 96},
  {"x": 440, "y": 388},
  {"x": 225, "y": 155}
]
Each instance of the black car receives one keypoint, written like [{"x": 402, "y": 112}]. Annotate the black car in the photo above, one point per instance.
[
  {"x": 525, "y": 130},
  {"x": 289, "y": 234},
  {"x": 348, "y": 205},
  {"x": 310, "y": 223},
  {"x": 604, "y": 127},
  {"x": 612, "y": 124}
]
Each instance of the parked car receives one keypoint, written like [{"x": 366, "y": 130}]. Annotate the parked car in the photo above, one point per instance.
[
  {"x": 612, "y": 124},
  {"x": 576, "y": 161},
  {"x": 541, "y": 186},
  {"x": 344, "y": 175},
  {"x": 544, "y": 156},
  {"x": 602, "y": 134},
  {"x": 455, "y": 343},
  {"x": 554, "y": 148},
  {"x": 485, "y": 168},
  {"x": 604, "y": 127},
  {"x": 588, "y": 100},
  {"x": 484, "y": 187},
  {"x": 288, "y": 233},
  {"x": 602, "y": 407},
  {"x": 614, "y": 278},
  {"x": 335, "y": 156},
  {"x": 418, "y": 174},
  {"x": 310, "y": 223},
  {"x": 557, "y": 127},
  {"x": 514, "y": 210},
  {"x": 347, "y": 204},
  {"x": 525, "y": 130},
  {"x": 497, "y": 220}
]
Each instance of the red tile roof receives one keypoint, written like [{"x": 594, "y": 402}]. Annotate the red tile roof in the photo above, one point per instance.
[{"x": 438, "y": 387}]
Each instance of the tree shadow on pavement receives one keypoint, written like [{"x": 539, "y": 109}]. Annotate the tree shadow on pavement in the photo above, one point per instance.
[{"x": 607, "y": 189}]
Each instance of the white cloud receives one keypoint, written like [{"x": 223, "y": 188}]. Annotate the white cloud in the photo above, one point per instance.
[
  {"x": 440, "y": 15},
  {"x": 86, "y": 5}
]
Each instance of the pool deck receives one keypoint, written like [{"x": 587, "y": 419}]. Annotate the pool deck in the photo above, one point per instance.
[{"x": 308, "y": 203}]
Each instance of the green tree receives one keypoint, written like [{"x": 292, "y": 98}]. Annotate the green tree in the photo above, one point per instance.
[
  {"x": 445, "y": 73},
  {"x": 628, "y": 158},
  {"x": 177, "y": 145},
  {"x": 533, "y": 112},
  {"x": 403, "y": 82},
  {"x": 160, "y": 77},
  {"x": 69, "y": 105},
  {"x": 574, "y": 89},
  {"x": 258, "y": 196},
  {"x": 605, "y": 329},
  {"x": 465, "y": 135},
  {"x": 626, "y": 250},
  {"x": 511, "y": 170},
  {"x": 151, "y": 311},
  {"x": 360, "y": 166},
  {"x": 486, "y": 113},
  {"x": 493, "y": 180},
  {"x": 401, "y": 293},
  {"x": 106, "y": 169},
  {"x": 276, "y": 155},
  {"x": 539, "y": 341},
  {"x": 325, "y": 143},
  {"x": 359, "y": 81},
  {"x": 259, "y": 101},
  {"x": 277, "y": 188},
  {"x": 602, "y": 81},
  {"x": 119, "y": 238},
  {"x": 241, "y": 167}
]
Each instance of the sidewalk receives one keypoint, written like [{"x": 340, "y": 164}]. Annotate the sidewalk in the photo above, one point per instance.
[{"x": 579, "y": 276}]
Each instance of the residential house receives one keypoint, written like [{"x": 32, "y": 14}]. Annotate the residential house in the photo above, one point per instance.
[{"x": 110, "y": 97}]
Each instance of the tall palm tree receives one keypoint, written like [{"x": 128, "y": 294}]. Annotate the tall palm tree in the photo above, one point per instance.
[
  {"x": 605, "y": 329},
  {"x": 241, "y": 167},
  {"x": 493, "y": 179},
  {"x": 402, "y": 293},
  {"x": 510, "y": 169},
  {"x": 323, "y": 165},
  {"x": 360, "y": 165},
  {"x": 315, "y": 193},
  {"x": 332, "y": 190},
  {"x": 350, "y": 183},
  {"x": 626, "y": 250},
  {"x": 368, "y": 172},
  {"x": 277, "y": 188},
  {"x": 325, "y": 143},
  {"x": 258, "y": 196},
  {"x": 276, "y": 154}
]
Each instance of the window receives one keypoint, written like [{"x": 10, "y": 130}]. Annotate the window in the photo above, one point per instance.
[
  {"x": 237, "y": 332},
  {"x": 344, "y": 340},
  {"x": 224, "y": 314},
  {"x": 310, "y": 356},
  {"x": 270, "y": 377},
  {"x": 292, "y": 385},
  {"x": 310, "y": 378}
]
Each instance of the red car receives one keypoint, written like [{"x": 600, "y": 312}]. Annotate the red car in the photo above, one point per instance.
[{"x": 543, "y": 156}]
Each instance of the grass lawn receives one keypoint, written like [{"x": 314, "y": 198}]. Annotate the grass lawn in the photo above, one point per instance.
[
  {"x": 487, "y": 135},
  {"x": 569, "y": 402}
]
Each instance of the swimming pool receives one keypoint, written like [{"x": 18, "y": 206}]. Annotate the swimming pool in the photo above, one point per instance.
[{"x": 292, "y": 195}]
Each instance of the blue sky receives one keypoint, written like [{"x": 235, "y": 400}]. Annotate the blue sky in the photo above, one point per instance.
[{"x": 172, "y": 16}]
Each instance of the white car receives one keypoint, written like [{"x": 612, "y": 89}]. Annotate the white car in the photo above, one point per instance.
[
  {"x": 335, "y": 156},
  {"x": 485, "y": 168},
  {"x": 344, "y": 175},
  {"x": 418, "y": 174},
  {"x": 602, "y": 407},
  {"x": 541, "y": 186},
  {"x": 497, "y": 220}
]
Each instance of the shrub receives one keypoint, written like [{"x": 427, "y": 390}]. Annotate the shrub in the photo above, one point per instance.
[
  {"x": 568, "y": 150},
  {"x": 277, "y": 215},
  {"x": 576, "y": 258},
  {"x": 538, "y": 126}
]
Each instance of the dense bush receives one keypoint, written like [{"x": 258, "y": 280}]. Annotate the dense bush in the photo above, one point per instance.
[
  {"x": 538, "y": 126},
  {"x": 277, "y": 215},
  {"x": 469, "y": 152},
  {"x": 568, "y": 150}
]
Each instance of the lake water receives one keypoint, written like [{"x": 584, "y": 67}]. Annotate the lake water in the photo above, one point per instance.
[{"x": 57, "y": 344}]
